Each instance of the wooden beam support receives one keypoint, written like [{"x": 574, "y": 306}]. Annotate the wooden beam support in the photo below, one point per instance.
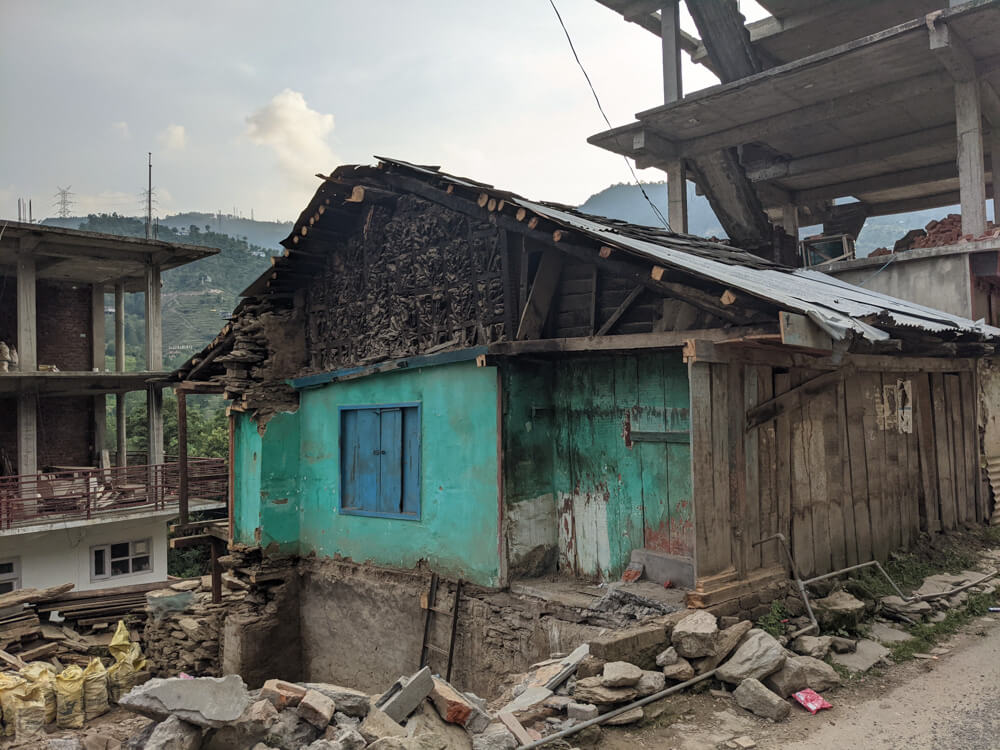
[
  {"x": 621, "y": 310},
  {"x": 662, "y": 340},
  {"x": 796, "y": 397},
  {"x": 797, "y": 330},
  {"x": 543, "y": 288}
]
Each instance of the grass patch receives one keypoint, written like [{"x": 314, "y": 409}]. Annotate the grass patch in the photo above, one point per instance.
[
  {"x": 772, "y": 621},
  {"x": 926, "y": 635}
]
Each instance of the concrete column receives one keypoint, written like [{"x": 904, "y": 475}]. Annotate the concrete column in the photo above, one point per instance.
[
  {"x": 122, "y": 441},
  {"x": 27, "y": 433},
  {"x": 673, "y": 89},
  {"x": 971, "y": 174},
  {"x": 98, "y": 365},
  {"x": 27, "y": 350},
  {"x": 995, "y": 171},
  {"x": 154, "y": 362},
  {"x": 790, "y": 220}
]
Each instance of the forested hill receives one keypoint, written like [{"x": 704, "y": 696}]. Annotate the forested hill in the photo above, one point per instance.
[{"x": 197, "y": 297}]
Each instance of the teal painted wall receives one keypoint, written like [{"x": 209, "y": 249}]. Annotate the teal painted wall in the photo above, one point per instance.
[
  {"x": 457, "y": 532},
  {"x": 246, "y": 479},
  {"x": 608, "y": 494}
]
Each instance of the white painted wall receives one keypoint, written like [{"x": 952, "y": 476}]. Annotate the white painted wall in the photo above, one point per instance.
[{"x": 49, "y": 558}]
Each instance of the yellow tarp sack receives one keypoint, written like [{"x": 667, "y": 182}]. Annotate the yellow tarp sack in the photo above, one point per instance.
[
  {"x": 95, "y": 690},
  {"x": 69, "y": 698},
  {"x": 128, "y": 661},
  {"x": 29, "y": 712},
  {"x": 44, "y": 676},
  {"x": 9, "y": 684}
]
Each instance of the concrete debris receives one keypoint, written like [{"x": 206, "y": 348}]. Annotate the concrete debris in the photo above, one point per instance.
[
  {"x": 650, "y": 682},
  {"x": 317, "y": 709},
  {"x": 680, "y": 671},
  {"x": 757, "y": 699},
  {"x": 290, "y": 732},
  {"x": 402, "y": 698},
  {"x": 802, "y": 672},
  {"x": 812, "y": 645},
  {"x": 637, "y": 645},
  {"x": 204, "y": 701},
  {"x": 425, "y": 720},
  {"x": 628, "y": 717},
  {"x": 867, "y": 655},
  {"x": 620, "y": 674},
  {"x": 282, "y": 694},
  {"x": 582, "y": 711},
  {"x": 756, "y": 657},
  {"x": 839, "y": 611},
  {"x": 174, "y": 734},
  {"x": 592, "y": 690},
  {"x": 349, "y": 701},
  {"x": 743, "y": 743},
  {"x": 456, "y": 708},
  {"x": 252, "y": 726},
  {"x": 591, "y": 666},
  {"x": 531, "y": 705},
  {"x": 377, "y": 725},
  {"x": 630, "y": 604},
  {"x": 913, "y": 610},
  {"x": 887, "y": 634},
  {"x": 495, "y": 737},
  {"x": 696, "y": 634}
]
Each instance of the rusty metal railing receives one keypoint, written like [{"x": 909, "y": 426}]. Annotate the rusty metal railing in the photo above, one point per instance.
[{"x": 86, "y": 493}]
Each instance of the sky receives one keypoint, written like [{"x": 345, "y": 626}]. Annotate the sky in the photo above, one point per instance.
[{"x": 242, "y": 103}]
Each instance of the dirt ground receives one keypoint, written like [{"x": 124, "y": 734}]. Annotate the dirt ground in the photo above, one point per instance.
[
  {"x": 951, "y": 702},
  {"x": 106, "y": 732}
]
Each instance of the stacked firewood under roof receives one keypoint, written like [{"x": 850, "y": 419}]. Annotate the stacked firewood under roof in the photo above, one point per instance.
[{"x": 63, "y": 626}]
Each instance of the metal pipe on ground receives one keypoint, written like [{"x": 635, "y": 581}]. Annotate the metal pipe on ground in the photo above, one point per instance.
[{"x": 618, "y": 711}]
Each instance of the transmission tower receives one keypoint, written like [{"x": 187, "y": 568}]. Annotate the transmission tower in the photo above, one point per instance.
[{"x": 63, "y": 202}]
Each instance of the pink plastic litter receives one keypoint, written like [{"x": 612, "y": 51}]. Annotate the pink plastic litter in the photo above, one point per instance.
[{"x": 811, "y": 701}]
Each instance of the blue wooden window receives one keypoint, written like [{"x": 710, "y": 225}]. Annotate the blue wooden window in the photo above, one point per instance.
[{"x": 380, "y": 460}]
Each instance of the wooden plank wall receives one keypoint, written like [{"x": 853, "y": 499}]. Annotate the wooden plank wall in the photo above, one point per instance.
[{"x": 848, "y": 475}]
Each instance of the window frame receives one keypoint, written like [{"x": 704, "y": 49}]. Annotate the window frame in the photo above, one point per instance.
[
  {"x": 340, "y": 460},
  {"x": 14, "y": 575},
  {"x": 108, "y": 575}
]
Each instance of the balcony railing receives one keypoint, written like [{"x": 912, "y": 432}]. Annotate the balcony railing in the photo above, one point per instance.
[{"x": 85, "y": 493}]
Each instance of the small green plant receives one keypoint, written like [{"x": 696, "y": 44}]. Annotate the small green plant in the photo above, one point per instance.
[
  {"x": 926, "y": 635},
  {"x": 772, "y": 621}
]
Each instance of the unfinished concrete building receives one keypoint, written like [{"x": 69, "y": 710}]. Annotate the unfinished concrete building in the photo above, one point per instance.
[{"x": 443, "y": 376}]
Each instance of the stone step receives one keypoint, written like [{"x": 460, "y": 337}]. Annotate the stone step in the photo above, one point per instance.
[{"x": 661, "y": 567}]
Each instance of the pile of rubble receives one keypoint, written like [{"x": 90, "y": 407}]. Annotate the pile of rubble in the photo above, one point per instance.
[
  {"x": 183, "y": 626},
  {"x": 940, "y": 232},
  {"x": 421, "y": 712}
]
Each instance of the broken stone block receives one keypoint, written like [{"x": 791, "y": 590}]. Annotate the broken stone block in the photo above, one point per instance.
[
  {"x": 290, "y": 732},
  {"x": 419, "y": 742},
  {"x": 842, "y": 645},
  {"x": 696, "y": 634},
  {"x": 195, "y": 629},
  {"x": 757, "y": 699},
  {"x": 377, "y": 725},
  {"x": 680, "y": 671},
  {"x": 282, "y": 694},
  {"x": 628, "y": 717},
  {"x": 637, "y": 645},
  {"x": 204, "y": 701},
  {"x": 174, "y": 734},
  {"x": 883, "y": 633},
  {"x": 620, "y": 674},
  {"x": 802, "y": 672},
  {"x": 349, "y": 701},
  {"x": 591, "y": 666},
  {"x": 582, "y": 711},
  {"x": 345, "y": 738},
  {"x": 592, "y": 690},
  {"x": 494, "y": 737},
  {"x": 667, "y": 658},
  {"x": 811, "y": 645},
  {"x": 865, "y": 656},
  {"x": 838, "y": 611},
  {"x": 456, "y": 707},
  {"x": 650, "y": 682},
  {"x": 913, "y": 610},
  {"x": 316, "y": 708},
  {"x": 189, "y": 585},
  {"x": 252, "y": 726},
  {"x": 425, "y": 720},
  {"x": 530, "y": 705},
  {"x": 743, "y": 743},
  {"x": 726, "y": 641},
  {"x": 758, "y": 656},
  {"x": 410, "y": 694},
  {"x": 343, "y": 720}
]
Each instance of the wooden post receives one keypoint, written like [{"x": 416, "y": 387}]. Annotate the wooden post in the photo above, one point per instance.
[
  {"x": 971, "y": 174},
  {"x": 27, "y": 343},
  {"x": 182, "y": 457},
  {"x": 217, "y": 550},
  {"x": 121, "y": 438},
  {"x": 673, "y": 89},
  {"x": 154, "y": 362}
]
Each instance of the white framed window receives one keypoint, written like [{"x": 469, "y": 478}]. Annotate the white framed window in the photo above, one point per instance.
[
  {"x": 10, "y": 575},
  {"x": 121, "y": 559}
]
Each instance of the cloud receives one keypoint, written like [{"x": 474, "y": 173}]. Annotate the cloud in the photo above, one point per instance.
[
  {"x": 174, "y": 138},
  {"x": 121, "y": 128},
  {"x": 296, "y": 134}
]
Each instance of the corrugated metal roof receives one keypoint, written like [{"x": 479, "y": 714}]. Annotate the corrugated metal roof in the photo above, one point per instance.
[{"x": 834, "y": 305}]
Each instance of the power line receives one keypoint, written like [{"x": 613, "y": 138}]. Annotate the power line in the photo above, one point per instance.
[
  {"x": 597, "y": 99},
  {"x": 63, "y": 202}
]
